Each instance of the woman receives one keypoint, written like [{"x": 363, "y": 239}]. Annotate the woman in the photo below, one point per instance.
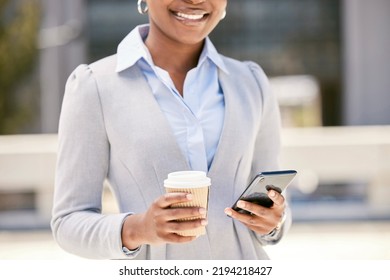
[{"x": 167, "y": 101}]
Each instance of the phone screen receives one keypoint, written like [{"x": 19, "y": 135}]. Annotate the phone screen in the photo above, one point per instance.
[{"x": 256, "y": 192}]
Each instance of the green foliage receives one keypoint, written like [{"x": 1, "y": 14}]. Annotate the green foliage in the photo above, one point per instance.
[{"x": 19, "y": 27}]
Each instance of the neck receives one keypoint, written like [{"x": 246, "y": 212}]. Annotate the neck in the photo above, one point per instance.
[{"x": 173, "y": 56}]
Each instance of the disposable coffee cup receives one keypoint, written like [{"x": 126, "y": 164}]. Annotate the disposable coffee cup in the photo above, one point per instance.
[{"x": 196, "y": 183}]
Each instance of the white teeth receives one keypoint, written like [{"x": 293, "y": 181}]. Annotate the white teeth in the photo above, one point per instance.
[{"x": 190, "y": 17}]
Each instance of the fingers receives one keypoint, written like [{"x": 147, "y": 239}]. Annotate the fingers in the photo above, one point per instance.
[
  {"x": 179, "y": 226},
  {"x": 276, "y": 197},
  {"x": 169, "y": 218},
  {"x": 168, "y": 203},
  {"x": 175, "y": 238},
  {"x": 262, "y": 219},
  {"x": 259, "y": 213},
  {"x": 256, "y": 223},
  {"x": 166, "y": 200},
  {"x": 180, "y": 219},
  {"x": 169, "y": 229},
  {"x": 183, "y": 213}
]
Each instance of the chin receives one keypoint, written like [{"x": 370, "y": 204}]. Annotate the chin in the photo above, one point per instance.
[{"x": 190, "y": 38}]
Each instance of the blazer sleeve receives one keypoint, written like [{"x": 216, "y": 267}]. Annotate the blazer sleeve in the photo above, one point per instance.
[
  {"x": 268, "y": 143},
  {"x": 77, "y": 223}
]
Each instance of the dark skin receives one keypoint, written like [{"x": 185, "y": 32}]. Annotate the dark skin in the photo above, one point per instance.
[
  {"x": 177, "y": 60},
  {"x": 158, "y": 224},
  {"x": 263, "y": 220},
  {"x": 176, "y": 43},
  {"x": 178, "y": 29},
  {"x": 177, "y": 65}
]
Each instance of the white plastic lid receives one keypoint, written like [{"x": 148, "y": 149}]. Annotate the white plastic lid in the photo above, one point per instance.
[{"x": 187, "y": 179}]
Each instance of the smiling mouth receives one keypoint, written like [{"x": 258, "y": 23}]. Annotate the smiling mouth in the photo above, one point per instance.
[{"x": 190, "y": 17}]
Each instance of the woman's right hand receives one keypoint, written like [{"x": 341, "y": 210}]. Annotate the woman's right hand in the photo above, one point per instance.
[{"x": 159, "y": 223}]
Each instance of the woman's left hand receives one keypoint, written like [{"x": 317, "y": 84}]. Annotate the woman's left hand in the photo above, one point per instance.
[{"x": 262, "y": 220}]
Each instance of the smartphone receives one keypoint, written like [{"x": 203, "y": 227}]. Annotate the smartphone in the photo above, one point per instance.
[{"x": 256, "y": 192}]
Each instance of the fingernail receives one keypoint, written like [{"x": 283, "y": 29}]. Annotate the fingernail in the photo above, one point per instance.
[
  {"x": 272, "y": 193},
  {"x": 202, "y": 211},
  {"x": 204, "y": 222},
  {"x": 241, "y": 204},
  {"x": 189, "y": 196}
]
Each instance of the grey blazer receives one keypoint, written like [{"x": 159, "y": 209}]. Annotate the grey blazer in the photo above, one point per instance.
[{"x": 112, "y": 127}]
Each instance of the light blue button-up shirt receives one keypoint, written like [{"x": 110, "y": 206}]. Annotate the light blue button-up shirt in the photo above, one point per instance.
[{"x": 196, "y": 118}]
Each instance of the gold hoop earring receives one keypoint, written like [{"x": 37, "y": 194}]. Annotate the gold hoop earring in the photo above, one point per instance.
[{"x": 142, "y": 10}]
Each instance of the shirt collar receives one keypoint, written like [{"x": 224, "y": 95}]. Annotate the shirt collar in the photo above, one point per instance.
[
  {"x": 209, "y": 51},
  {"x": 132, "y": 49}
]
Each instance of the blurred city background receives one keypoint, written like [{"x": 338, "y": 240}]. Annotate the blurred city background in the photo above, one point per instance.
[{"x": 328, "y": 62}]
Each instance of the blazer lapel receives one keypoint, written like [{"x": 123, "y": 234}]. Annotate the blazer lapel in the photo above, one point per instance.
[
  {"x": 225, "y": 165},
  {"x": 229, "y": 146},
  {"x": 239, "y": 129}
]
